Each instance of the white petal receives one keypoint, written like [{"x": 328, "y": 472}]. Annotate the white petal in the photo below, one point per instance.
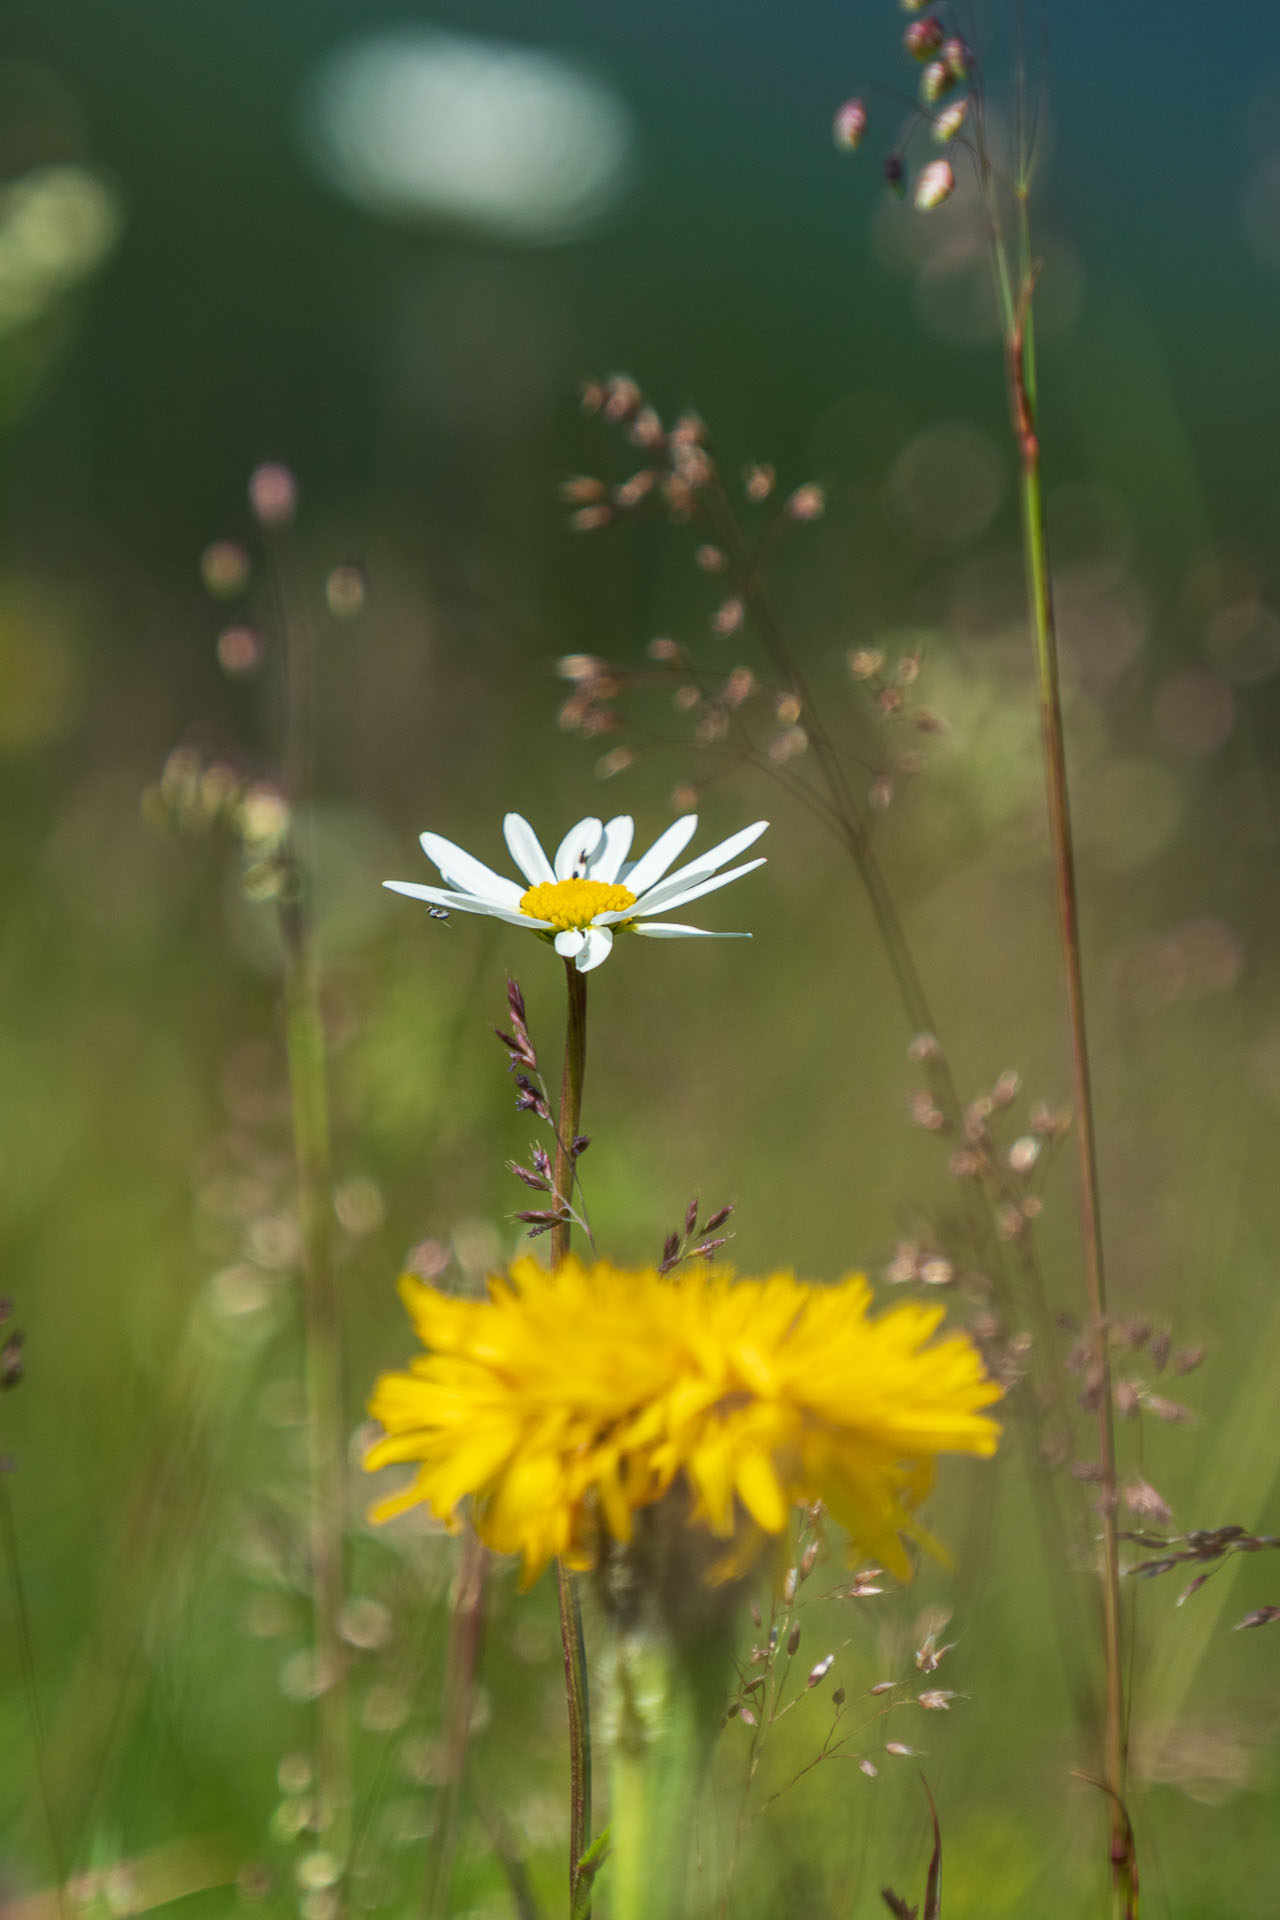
[
  {"x": 677, "y": 893},
  {"x": 595, "y": 948},
  {"x": 715, "y": 856},
  {"x": 667, "y": 847},
  {"x": 526, "y": 850},
  {"x": 463, "y": 870},
  {"x": 672, "y": 930},
  {"x": 465, "y": 903},
  {"x": 615, "y": 845},
  {"x": 571, "y": 941},
  {"x": 576, "y": 849}
]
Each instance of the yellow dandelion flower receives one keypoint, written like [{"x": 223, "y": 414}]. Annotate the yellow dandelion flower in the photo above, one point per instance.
[{"x": 569, "y": 1400}]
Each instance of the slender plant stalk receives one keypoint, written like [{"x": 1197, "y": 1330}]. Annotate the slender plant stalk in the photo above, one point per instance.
[
  {"x": 575, "y": 1066},
  {"x": 571, "y": 1635},
  {"x": 322, "y": 1320},
  {"x": 26, "y": 1658},
  {"x": 326, "y": 1427},
  {"x": 843, "y": 818},
  {"x": 466, "y": 1633},
  {"x": 1021, "y": 363}
]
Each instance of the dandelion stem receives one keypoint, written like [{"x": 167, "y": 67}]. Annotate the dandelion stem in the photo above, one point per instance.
[
  {"x": 571, "y": 1635},
  {"x": 1021, "y": 369}
]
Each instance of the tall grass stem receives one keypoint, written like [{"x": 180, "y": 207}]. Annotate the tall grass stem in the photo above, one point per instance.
[
  {"x": 571, "y": 1635},
  {"x": 26, "y": 1658},
  {"x": 312, "y": 1134},
  {"x": 1022, "y": 382}
]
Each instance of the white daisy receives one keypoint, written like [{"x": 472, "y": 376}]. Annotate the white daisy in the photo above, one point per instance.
[{"x": 590, "y": 888}]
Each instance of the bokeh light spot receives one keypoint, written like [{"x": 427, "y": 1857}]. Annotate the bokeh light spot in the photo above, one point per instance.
[
  {"x": 240, "y": 650},
  {"x": 224, "y": 569},
  {"x": 1195, "y": 712},
  {"x": 1244, "y": 643},
  {"x": 346, "y": 591},
  {"x": 57, "y": 224},
  {"x": 39, "y": 674},
  {"x": 506, "y": 140},
  {"x": 948, "y": 484},
  {"x": 1260, "y": 210},
  {"x": 1129, "y": 813}
]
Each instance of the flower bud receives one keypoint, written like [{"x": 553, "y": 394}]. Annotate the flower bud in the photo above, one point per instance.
[
  {"x": 946, "y": 125},
  {"x": 849, "y": 125},
  {"x": 934, "y": 184},
  {"x": 622, "y": 397},
  {"x": 589, "y": 519},
  {"x": 758, "y": 483},
  {"x": 224, "y": 569},
  {"x": 957, "y": 57},
  {"x": 273, "y": 494},
  {"x": 923, "y": 38},
  {"x": 646, "y": 430},
  {"x": 893, "y": 174},
  {"x": 808, "y": 502},
  {"x": 581, "y": 489},
  {"x": 936, "y": 80}
]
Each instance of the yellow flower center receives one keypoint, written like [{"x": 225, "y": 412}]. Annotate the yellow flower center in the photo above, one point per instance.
[{"x": 574, "y": 903}]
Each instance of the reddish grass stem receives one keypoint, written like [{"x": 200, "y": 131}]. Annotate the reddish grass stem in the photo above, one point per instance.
[
  {"x": 571, "y": 1635},
  {"x": 1021, "y": 373}
]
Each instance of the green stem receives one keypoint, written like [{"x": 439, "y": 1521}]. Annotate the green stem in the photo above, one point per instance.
[
  {"x": 1044, "y": 639},
  {"x": 466, "y": 1632},
  {"x": 575, "y": 1066},
  {"x": 326, "y": 1428},
  {"x": 571, "y": 1635},
  {"x": 26, "y": 1656},
  {"x": 312, "y": 1134},
  {"x": 665, "y": 1714}
]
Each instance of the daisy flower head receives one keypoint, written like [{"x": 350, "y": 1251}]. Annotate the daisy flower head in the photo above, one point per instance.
[
  {"x": 591, "y": 889},
  {"x": 569, "y": 1401}
]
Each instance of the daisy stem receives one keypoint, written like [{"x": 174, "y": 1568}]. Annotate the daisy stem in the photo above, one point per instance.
[
  {"x": 571, "y": 1636},
  {"x": 1022, "y": 385},
  {"x": 575, "y": 1066}
]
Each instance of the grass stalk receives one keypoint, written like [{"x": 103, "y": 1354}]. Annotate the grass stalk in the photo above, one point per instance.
[
  {"x": 466, "y": 1632},
  {"x": 313, "y": 1150},
  {"x": 1022, "y": 385},
  {"x": 571, "y": 1635},
  {"x": 326, "y": 1425},
  {"x": 26, "y": 1659}
]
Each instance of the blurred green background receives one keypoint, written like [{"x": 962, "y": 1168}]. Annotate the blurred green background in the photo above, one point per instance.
[{"x": 383, "y": 244}]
